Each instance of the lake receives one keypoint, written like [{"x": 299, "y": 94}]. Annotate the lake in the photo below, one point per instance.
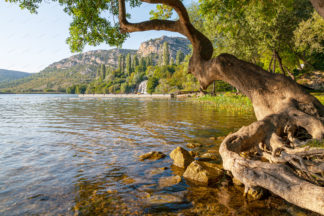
[{"x": 64, "y": 155}]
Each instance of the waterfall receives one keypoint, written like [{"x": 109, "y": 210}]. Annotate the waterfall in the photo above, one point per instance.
[{"x": 142, "y": 87}]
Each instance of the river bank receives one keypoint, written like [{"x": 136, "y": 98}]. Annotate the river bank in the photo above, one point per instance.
[{"x": 125, "y": 95}]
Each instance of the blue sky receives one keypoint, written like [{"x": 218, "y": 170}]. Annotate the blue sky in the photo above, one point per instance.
[{"x": 30, "y": 42}]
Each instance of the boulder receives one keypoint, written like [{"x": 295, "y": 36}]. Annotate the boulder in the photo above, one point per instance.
[
  {"x": 199, "y": 172},
  {"x": 169, "y": 181},
  {"x": 181, "y": 157},
  {"x": 154, "y": 155}
]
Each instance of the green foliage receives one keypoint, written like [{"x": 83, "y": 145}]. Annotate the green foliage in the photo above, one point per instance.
[
  {"x": 309, "y": 41},
  {"x": 252, "y": 30},
  {"x": 161, "y": 79},
  {"x": 151, "y": 84},
  {"x": 76, "y": 89},
  {"x": 161, "y": 12}
]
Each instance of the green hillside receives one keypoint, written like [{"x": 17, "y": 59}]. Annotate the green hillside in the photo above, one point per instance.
[
  {"x": 9, "y": 75},
  {"x": 124, "y": 69}
]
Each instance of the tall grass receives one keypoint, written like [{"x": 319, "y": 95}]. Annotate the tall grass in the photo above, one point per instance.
[
  {"x": 228, "y": 101},
  {"x": 232, "y": 102}
]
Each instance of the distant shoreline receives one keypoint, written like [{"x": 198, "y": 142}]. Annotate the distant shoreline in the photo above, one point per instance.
[{"x": 126, "y": 95}]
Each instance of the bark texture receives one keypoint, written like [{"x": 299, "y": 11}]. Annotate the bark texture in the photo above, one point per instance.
[
  {"x": 319, "y": 6},
  {"x": 287, "y": 117}
]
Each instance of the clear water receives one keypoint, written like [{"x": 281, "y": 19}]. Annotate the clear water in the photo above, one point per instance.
[{"x": 63, "y": 155}]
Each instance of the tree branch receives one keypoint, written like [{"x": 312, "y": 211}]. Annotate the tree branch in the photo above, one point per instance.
[
  {"x": 202, "y": 47},
  {"x": 156, "y": 24}
]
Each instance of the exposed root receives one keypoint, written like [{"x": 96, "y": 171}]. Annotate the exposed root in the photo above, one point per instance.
[{"x": 293, "y": 172}]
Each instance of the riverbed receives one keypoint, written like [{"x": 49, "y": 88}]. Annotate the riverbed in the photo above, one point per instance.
[{"x": 61, "y": 154}]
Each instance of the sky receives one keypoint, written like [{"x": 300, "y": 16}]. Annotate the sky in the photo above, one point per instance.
[{"x": 30, "y": 42}]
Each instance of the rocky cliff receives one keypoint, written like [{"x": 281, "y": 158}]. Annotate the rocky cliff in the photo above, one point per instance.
[
  {"x": 155, "y": 46},
  {"x": 96, "y": 57}
]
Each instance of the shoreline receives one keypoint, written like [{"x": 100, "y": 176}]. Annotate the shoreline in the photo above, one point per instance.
[{"x": 126, "y": 95}]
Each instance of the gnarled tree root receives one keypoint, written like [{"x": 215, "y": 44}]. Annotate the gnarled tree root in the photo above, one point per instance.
[{"x": 291, "y": 171}]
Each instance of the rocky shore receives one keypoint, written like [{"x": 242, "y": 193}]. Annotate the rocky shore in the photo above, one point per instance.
[{"x": 210, "y": 188}]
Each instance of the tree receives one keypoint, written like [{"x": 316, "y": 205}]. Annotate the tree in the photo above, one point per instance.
[
  {"x": 102, "y": 72},
  {"x": 179, "y": 57},
  {"x": 166, "y": 54},
  {"x": 128, "y": 64},
  {"x": 135, "y": 61},
  {"x": 142, "y": 64},
  {"x": 265, "y": 36},
  {"x": 160, "y": 56},
  {"x": 283, "y": 109},
  {"x": 77, "y": 89},
  {"x": 171, "y": 61}
]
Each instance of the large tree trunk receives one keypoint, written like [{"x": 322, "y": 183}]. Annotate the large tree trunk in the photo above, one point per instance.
[
  {"x": 283, "y": 110},
  {"x": 286, "y": 116}
]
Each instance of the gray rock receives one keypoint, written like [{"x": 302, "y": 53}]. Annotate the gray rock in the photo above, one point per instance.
[{"x": 181, "y": 157}]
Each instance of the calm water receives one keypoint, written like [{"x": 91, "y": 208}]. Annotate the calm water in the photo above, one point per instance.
[{"x": 63, "y": 155}]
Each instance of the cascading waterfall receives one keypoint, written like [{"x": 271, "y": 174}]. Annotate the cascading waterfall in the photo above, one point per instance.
[{"x": 142, "y": 87}]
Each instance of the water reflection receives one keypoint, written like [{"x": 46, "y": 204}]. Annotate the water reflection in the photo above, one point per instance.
[{"x": 70, "y": 156}]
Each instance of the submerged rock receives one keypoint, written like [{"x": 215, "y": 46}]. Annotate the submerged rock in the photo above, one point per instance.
[
  {"x": 128, "y": 180},
  {"x": 166, "y": 198},
  {"x": 169, "y": 181},
  {"x": 200, "y": 172},
  {"x": 193, "y": 145},
  {"x": 210, "y": 156},
  {"x": 154, "y": 155},
  {"x": 181, "y": 157},
  {"x": 153, "y": 172}
]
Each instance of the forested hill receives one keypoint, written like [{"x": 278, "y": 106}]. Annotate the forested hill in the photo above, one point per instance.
[
  {"x": 81, "y": 69},
  {"x": 9, "y": 75}
]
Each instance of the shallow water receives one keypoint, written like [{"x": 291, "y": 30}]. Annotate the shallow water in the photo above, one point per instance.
[{"x": 63, "y": 155}]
